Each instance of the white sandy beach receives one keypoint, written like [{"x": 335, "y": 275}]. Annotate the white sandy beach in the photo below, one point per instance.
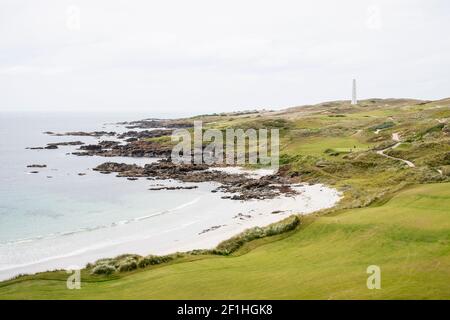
[{"x": 182, "y": 228}]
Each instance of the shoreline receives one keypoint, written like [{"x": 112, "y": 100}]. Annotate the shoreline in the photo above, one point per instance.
[
  {"x": 234, "y": 200},
  {"x": 206, "y": 239}
]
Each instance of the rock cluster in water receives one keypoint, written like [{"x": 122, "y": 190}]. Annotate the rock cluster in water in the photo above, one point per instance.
[
  {"x": 240, "y": 186},
  {"x": 138, "y": 148},
  {"x": 139, "y": 143}
]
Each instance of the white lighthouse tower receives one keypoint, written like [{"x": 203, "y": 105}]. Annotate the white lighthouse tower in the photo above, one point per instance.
[{"x": 354, "y": 99}]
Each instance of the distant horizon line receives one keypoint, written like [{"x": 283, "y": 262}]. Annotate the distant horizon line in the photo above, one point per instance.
[{"x": 200, "y": 112}]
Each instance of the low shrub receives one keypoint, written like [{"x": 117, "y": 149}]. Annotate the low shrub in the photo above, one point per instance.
[
  {"x": 229, "y": 246},
  {"x": 127, "y": 264},
  {"x": 153, "y": 260},
  {"x": 384, "y": 125},
  {"x": 337, "y": 115},
  {"x": 105, "y": 269},
  {"x": 332, "y": 152},
  {"x": 445, "y": 170}
]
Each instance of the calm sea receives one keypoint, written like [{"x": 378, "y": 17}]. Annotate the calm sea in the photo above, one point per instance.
[{"x": 57, "y": 218}]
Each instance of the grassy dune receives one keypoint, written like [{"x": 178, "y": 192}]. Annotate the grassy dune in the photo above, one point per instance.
[{"x": 408, "y": 237}]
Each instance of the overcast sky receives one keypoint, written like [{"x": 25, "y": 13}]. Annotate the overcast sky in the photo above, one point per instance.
[{"x": 202, "y": 56}]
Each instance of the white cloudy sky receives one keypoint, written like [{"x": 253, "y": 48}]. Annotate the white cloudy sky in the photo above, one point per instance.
[{"x": 196, "y": 56}]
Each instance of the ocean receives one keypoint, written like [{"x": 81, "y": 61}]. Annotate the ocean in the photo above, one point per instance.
[{"x": 59, "y": 219}]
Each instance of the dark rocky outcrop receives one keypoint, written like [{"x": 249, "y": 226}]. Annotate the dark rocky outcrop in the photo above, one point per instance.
[
  {"x": 240, "y": 186},
  {"x": 211, "y": 229},
  {"x": 55, "y": 145},
  {"x": 157, "y": 123},
  {"x": 139, "y": 148},
  {"x": 145, "y": 134},
  {"x": 35, "y": 148},
  {"x": 173, "y": 188},
  {"x": 117, "y": 167},
  {"x": 83, "y": 134}
]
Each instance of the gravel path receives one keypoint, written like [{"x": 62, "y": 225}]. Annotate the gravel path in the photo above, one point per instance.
[{"x": 395, "y": 137}]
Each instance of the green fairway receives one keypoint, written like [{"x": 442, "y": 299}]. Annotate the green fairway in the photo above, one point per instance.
[
  {"x": 408, "y": 237},
  {"x": 318, "y": 145}
]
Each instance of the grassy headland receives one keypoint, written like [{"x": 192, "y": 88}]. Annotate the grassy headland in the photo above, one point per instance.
[{"x": 392, "y": 215}]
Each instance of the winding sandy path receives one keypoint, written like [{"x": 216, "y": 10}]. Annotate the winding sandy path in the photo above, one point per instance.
[{"x": 395, "y": 137}]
